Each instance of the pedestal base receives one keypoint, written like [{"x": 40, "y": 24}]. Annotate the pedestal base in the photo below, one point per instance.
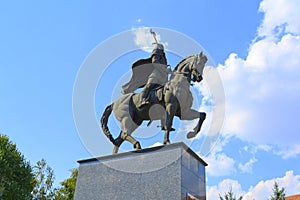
[{"x": 164, "y": 172}]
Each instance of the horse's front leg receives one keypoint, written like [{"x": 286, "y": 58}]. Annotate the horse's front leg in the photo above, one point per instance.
[
  {"x": 191, "y": 114},
  {"x": 170, "y": 112}
]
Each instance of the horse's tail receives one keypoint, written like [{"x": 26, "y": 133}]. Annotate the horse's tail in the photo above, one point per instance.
[{"x": 104, "y": 121}]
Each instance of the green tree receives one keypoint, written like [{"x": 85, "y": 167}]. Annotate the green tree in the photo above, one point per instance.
[
  {"x": 15, "y": 172},
  {"x": 67, "y": 189},
  {"x": 230, "y": 196},
  {"x": 43, "y": 181},
  {"x": 278, "y": 194}
]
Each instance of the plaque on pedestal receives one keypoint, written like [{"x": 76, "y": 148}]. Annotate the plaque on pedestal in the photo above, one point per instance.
[{"x": 164, "y": 172}]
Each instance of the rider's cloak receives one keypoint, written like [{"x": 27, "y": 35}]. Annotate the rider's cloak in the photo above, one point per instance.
[{"x": 141, "y": 70}]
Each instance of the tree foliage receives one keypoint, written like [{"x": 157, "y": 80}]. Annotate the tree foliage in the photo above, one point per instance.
[
  {"x": 278, "y": 194},
  {"x": 43, "y": 181},
  {"x": 15, "y": 172},
  {"x": 230, "y": 196},
  {"x": 67, "y": 189}
]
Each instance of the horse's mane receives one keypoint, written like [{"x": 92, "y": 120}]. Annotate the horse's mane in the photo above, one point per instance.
[{"x": 182, "y": 62}]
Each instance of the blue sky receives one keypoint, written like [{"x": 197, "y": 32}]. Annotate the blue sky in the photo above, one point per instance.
[{"x": 254, "y": 44}]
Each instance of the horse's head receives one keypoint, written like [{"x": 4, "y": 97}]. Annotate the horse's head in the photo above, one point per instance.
[
  {"x": 192, "y": 67},
  {"x": 197, "y": 66}
]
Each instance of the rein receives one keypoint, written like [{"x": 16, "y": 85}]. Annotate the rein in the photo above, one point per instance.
[{"x": 185, "y": 73}]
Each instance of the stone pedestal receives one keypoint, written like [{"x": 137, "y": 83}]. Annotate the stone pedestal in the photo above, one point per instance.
[{"x": 164, "y": 172}]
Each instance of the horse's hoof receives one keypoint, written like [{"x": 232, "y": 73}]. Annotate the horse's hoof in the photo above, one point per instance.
[
  {"x": 137, "y": 146},
  {"x": 191, "y": 134},
  {"x": 167, "y": 142},
  {"x": 115, "y": 150},
  {"x": 202, "y": 116}
]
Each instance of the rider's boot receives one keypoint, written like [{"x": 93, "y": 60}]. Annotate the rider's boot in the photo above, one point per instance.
[{"x": 144, "y": 95}]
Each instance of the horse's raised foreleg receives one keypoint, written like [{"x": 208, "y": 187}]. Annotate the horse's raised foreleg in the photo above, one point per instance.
[{"x": 193, "y": 114}]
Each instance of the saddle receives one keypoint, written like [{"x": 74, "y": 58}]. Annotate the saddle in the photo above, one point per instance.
[{"x": 156, "y": 95}]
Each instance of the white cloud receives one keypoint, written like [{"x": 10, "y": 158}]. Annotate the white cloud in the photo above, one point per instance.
[
  {"x": 247, "y": 167},
  {"x": 278, "y": 13},
  {"x": 253, "y": 148},
  {"x": 219, "y": 164},
  {"x": 156, "y": 144},
  {"x": 263, "y": 90},
  {"x": 289, "y": 152},
  {"x": 262, "y": 99},
  {"x": 263, "y": 189},
  {"x": 223, "y": 187},
  {"x": 144, "y": 39},
  {"x": 264, "y": 147}
]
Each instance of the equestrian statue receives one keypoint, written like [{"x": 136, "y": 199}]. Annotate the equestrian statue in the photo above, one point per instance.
[{"x": 165, "y": 94}]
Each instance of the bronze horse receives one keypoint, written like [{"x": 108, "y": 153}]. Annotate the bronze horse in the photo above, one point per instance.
[{"x": 174, "y": 97}]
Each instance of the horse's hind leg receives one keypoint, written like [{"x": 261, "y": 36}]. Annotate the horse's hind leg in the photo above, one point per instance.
[
  {"x": 128, "y": 126},
  {"x": 129, "y": 138},
  {"x": 116, "y": 149},
  {"x": 118, "y": 141},
  {"x": 121, "y": 138}
]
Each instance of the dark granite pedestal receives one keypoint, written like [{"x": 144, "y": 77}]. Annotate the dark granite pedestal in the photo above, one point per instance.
[{"x": 165, "y": 172}]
